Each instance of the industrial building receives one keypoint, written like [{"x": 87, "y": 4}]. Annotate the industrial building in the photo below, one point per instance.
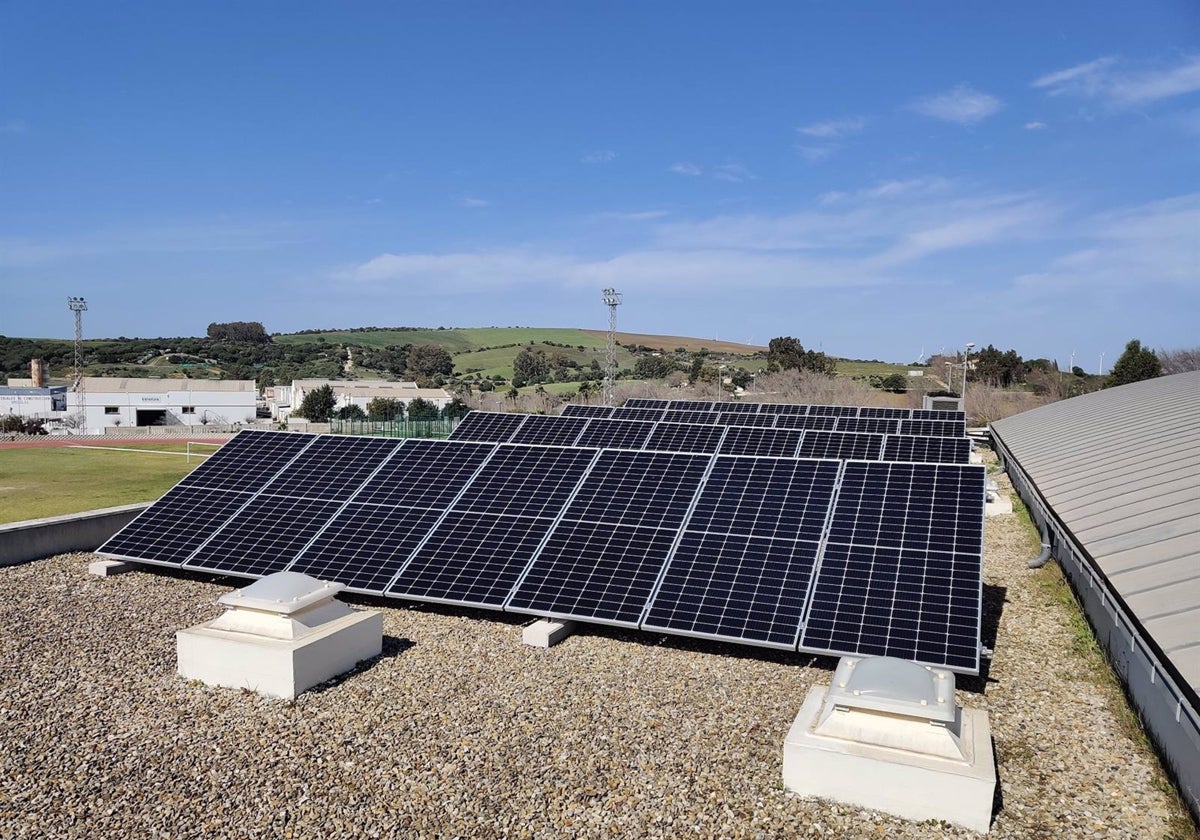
[
  {"x": 1111, "y": 479},
  {"x": 284, "y": 399}
]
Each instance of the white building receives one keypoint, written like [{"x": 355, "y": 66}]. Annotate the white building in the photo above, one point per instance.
[
  {"x": 25, "y": 400},
  {"x": 357, "y": 392},
  {"x": 111, "y": 401}
]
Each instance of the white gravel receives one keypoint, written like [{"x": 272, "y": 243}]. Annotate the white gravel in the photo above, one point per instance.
[{"x": 461, "y": 731}]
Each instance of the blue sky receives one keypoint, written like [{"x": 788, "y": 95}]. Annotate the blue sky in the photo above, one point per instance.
[{"x": 874, "y": 178}]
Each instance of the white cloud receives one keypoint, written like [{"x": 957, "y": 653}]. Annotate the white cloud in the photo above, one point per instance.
[
  {"x": 686, "y": 169},
  {"x": 888, "y": 190},
  {"x": 1104, "y": 79},
  {"x": 602, "y": 156},
  {"x": 963, "y": 105},
  {"x": 635, "y": 216},
  {"x": 472, "y": 202},
  {"x": 833, "y": 129},
  {"x": 815, "y": 154},
  {"x": 1034, "y": 125},
  {"x": 733, "y": 172}
]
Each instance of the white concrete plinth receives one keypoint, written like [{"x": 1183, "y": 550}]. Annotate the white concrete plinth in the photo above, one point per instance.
[
  {"x": 108, "y": 568},
  {"x": 279, "y": 637},
  {"x": 913, "y": 768},
  {"x": 546, "y": 633},
  {"x": 997, "y": 504}
]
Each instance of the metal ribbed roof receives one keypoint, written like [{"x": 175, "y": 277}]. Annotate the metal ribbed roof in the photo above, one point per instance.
[{"x": 1121, "y": 470}]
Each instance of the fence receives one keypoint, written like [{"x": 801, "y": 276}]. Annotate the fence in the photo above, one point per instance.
[{"x": 440, "y": 428}]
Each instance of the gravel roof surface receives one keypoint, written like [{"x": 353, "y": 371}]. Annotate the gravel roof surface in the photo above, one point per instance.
[{"x": 459, "y": 730}]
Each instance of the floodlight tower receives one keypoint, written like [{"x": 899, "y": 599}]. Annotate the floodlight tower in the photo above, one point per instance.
[
  {"x": 612, "y": 299},
  {"x": 966, "y": 360},
  {"x": 78, "y": 305}
]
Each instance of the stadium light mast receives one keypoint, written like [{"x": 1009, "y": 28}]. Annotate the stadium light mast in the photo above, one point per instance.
[
  {"x": 612, "y": 299},
  {"x": 966, "y": 360},
  {"x": 78, "y": 305}
]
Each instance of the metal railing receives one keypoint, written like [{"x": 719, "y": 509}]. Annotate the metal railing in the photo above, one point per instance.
[{"x": 440, "y": 428}]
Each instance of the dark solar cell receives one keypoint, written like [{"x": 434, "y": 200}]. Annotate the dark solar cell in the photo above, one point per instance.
[
  {"x": 638, "y": 413},
  {"x": 525, "y": 481},
  {"x": 365, "y": 545},
  {"x": 841, "y": 445},
  {"x": 583, "y": 410},
  {"x": 685, "y": 437},
  {"x": 783, "y": 498},
  {"x": 944, "y": 450},
  {"x": 175, "y": 526},
  {"x": 741, "y": 418},
  {"x": 738, "y": 588},
  {"x": 740, "y": 440},
  {"x": 782, "y": 408},
  {"x": 472, "y": 559},
  {"x": 425, "y": 473},
  {"x": 594, "y": 571},
  {"x": 615, "y": 434},
  {"x": 932, "y": 414},
  {"x": 333, "y": 467},
  {"x": 549, "y": 430},
  {"x": 677, "y": 415},
  {"x": 933, "y": 428},
  {"x": 638, "y": 488},
  {"x": 646, "y": 403},
  {"x": 822, "y": 423},
  {"x": 738, "y": 407},
  {"x": 870, "y": 425},
  {"x": 891, "y": 413},
  {"x": 488, "y": 426},
  {"x": 265, "y": 536},
  {"x": 834, "y": 410},
  {"x": 693, "y": 405},
  {"x": 248, "y": 461}
]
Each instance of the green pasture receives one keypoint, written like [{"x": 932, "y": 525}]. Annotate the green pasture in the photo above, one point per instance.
[
  {"x": 846, "y": 367},
  {"x": 455, "y": 340},
  {"x": 51, "y": 481},
  {"x": 499, "y": 360}
]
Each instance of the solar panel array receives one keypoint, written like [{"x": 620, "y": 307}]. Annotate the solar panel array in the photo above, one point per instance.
[
  {"x": 723, "y": 540},
  {"x": 738, "y": 433}
]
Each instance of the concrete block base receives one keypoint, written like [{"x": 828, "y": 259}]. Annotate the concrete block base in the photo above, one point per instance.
[
  {"x": 108, "y": 568},
  {"x": 278, "y": 667},
  {"x": 997, "y": 505},
  {"x": 913, "y": 785},
  {"x": 545, "y": 633}
]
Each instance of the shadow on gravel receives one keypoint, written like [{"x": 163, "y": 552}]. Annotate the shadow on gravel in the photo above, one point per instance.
[
  {"x": 994, "y": 599},
  {"x": 392, "y": 647}
]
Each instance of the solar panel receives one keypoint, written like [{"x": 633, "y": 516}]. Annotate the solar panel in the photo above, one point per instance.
[
  {"x": 647, "y": 403},
  {"x": 173, "y": 527},
  {"x": 937, "y": 414},
  {"x": 943, "y": 450},
  {"x": 603, "y": 557},
  {"x": 333, "y": 467},
  {"x": 782, "y": 408},
  {"x": 933, "y": 428},
  {"x": 834, "y": 410},
  {"x": 638, "y": 413},
  {"x": 547, "y": 429},
  {"x": 743, "y": 440},
  {"x": 365, "y": 545},
  {"x": 738, "y": 407},
  {"x": 425, "y": 473},
  {"x": 615, "y": 434},
  {"x": 824, "y": 423},
  {"x": 870, "y": 425},
  {"x": 677, "y": 415},
  {"x": 584, "y": 410},
  {"x": 685, "y": 437},
  {"x": 248, "y": 461},
  {"x": 525, "y": 481},
  {"x": 841, "y": 445},
  {"x": 471, "y": 559},
  {"x": 741, "y": 571},
  {"x": 489, "y": 426},
  {"x": 741, "y": 418},
  {"x": 901, "y": 571},
  {"x": 264, "y": 536},
  {"x": 693, "y": 405},
  {"x": 892, "y": 413}
]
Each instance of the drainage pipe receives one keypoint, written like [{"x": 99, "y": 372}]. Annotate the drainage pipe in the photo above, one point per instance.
[{"x": 1044, "y": 556}]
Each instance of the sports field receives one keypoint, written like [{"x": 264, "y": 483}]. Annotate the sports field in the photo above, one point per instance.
[{"x": 38, "y": 481}]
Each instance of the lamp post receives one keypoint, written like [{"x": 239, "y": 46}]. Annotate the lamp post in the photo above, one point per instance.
[{"x": 966, "y": 358}]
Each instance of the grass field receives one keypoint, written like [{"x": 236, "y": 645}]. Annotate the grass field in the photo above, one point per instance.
[
  {"x": 50, "y": 481},
  {"x": 845, "y": 367},
  {"x": 454, "y": 340},
  {"x": 671, "y": 342}
]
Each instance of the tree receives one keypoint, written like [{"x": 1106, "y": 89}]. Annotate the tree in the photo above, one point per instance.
[
  {"x": 586, "y": 389},
  {"x": 425, "y": 361},
  {"x": 317, "y": 405},
  {"x": 422, "y": 409},
  {"x": 250, "y": 331},
  {"x": 654, "y": 367},
  {"x": 513, "y": 394},
  {"x": 789, "y": 354},
  {"x": 385, "y": 408},
  {"x": 350, "y": 412},
  {"x": 455, "y": 409},
  {"x": 897, "y": 383},
  {"x": 1136, "y": 363},
  {"x": 1179, "y": 361},
  {"x": 530, "y": 366}
]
